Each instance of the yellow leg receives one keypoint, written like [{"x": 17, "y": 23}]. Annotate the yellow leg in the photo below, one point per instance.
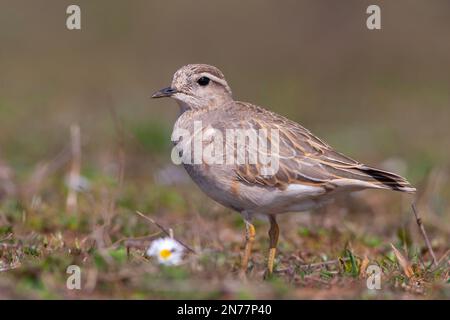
[
  {"x": 273, "y": 234},
  {"x": 250, "y": 233}
]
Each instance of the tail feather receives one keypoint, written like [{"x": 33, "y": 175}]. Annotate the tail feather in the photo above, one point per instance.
[{"x": 388, "y": 180}]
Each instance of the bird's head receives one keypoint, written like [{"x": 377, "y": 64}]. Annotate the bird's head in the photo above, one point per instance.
[{"x": 197, "y": 86}]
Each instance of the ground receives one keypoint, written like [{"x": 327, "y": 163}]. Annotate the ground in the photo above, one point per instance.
[{"x": 322, "y": 254}]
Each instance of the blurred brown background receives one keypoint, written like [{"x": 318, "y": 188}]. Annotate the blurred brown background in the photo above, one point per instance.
[{"x": 373, "y": 94}]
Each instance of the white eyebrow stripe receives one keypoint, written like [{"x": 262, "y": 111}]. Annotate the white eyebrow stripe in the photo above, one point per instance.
[{"x": 216, "y": 79}]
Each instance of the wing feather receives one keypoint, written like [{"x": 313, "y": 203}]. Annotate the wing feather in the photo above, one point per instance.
[{"x": 304, "y": 158}]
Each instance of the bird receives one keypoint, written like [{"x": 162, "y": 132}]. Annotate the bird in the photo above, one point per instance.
[{"x": 309, "y": 172}]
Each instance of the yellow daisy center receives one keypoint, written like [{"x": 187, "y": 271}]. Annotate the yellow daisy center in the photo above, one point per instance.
[{"x": 165, "y": 253}]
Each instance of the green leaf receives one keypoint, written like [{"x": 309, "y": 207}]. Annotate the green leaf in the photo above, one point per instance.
[{"x": 354, "y": 267}]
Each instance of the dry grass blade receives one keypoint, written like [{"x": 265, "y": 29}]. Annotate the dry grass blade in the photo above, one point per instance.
[
  {"x": 444, "y": 260},
  {"x": 444, "y": 257},
  {"x": 363, "y": 267},
  {"x": 8, "y": 236},
  {"x": 166, "y": 231},
  {"x": 74, "y": 174},
  {"x": 10, "y": 267},
  {"x": 324, "y": 263},
  {"x": 404, "y": 263},
  {"x": 424, "y": 234}
]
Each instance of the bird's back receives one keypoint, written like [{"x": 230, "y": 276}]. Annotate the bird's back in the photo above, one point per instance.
[{"x": 303, "y": 157}]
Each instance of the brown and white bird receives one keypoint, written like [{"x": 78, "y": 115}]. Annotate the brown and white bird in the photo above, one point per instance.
[{"x": 308, "y": 172}]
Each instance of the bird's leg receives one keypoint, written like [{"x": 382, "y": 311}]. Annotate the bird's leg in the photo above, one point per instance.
[
  {"x": 250, "y": 233},
  {"x": 273, "y": 234}
]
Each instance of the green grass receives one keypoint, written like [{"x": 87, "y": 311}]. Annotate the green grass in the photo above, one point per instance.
[{"x": 104, "y": 238}]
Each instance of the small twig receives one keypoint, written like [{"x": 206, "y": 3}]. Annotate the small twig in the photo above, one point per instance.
[
  {"x": 10, "y": 267},
  {"x": 424, "y": 234},
  {"x": 447, "y": 253},
  {"x": 166, "y": 231},
  {"x": 8, "y": 236},
  {"x": 74, "y": 174},
  {"x": 10, "y": 245},
  {"x": 442, "y": 260},
  {"x": 140, "y": 242},
  {"x": 422, "y": 263},
  {"x": 135, "y": 240},
  {"x": 324, "y": 263}
]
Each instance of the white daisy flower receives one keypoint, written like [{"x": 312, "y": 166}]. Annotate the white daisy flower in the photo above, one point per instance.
[{"x": 167, "y": 250}]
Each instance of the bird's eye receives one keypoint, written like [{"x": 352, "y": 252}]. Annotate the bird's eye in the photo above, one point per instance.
[{"x": 203, "y": 81}]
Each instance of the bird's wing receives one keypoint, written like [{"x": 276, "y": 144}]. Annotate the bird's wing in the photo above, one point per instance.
[{"x": 302, "y": 157}]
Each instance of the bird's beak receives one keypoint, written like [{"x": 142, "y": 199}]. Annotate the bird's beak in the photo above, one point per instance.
[{"x": 166, "y": 92}]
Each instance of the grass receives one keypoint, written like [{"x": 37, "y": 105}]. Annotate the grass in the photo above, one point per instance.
[{"x": 322, "y": 254}]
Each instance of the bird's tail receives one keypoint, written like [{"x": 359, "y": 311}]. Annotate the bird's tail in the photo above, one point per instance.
[{"x": 387, "y": 180}]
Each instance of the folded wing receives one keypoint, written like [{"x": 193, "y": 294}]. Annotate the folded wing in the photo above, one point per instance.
[{"x": 305, "y": 159}]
